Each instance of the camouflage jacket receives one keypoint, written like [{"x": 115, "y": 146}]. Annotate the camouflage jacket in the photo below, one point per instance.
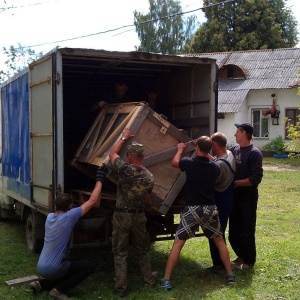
[{"x": 134, "y": 183}]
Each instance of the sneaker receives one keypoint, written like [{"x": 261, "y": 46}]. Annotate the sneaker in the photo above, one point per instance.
[
  {"x": 166, "y": 284},
  {"x": 55, "y": 294},
  {"x": 230, "y": 279},
  {"x": 35, "y": 287}
]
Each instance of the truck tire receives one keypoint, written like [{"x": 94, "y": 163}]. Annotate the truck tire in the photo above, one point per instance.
[{"x": 33, "y": 232}]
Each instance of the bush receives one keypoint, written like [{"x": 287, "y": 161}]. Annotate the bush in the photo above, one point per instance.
[
  {"x": 276, "y": 145},
  {"x": 294, "y": 135}
]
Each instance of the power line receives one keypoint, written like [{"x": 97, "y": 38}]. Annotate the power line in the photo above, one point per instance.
[
  {"x": 21, "y": 6},
  {"x": 126, "y": 26}
]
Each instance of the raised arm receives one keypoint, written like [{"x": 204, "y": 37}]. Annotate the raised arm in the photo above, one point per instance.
[
  {"x": 114, "y": 152},
  {"x": 96, "y": 193},
  {"x": 177, "y": 157}
]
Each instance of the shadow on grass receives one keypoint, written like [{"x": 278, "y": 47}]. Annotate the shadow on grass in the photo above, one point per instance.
[{"x": 191, "y": 278}]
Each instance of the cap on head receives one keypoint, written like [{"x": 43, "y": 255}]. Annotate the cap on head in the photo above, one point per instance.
[
  {"x": 135, "y": 148},
  {"x": 245, "y": 126}
]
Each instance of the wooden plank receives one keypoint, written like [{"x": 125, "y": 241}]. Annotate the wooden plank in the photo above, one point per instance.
[
  {"x": 83, "y": 145},
  {"x": 171, "y": 129},
  {"x": 110, "y": 141},
  {"x": 22, "y": 280},
  {"x": 173, "y": 193},
  {"x": 165, "y": 155}
]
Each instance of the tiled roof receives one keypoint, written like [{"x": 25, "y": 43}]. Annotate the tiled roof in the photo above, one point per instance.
[{"x": 264, "y": 69}]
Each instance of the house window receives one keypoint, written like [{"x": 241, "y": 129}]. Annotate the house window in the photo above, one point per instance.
[
  {"x": 260, "y": 123},
  {"x": 230, "y": 72},
  {"x": 292, "y": 115}
]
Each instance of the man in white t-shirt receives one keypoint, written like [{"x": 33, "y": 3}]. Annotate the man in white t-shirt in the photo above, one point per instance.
[{"x": 224, "y": 188}]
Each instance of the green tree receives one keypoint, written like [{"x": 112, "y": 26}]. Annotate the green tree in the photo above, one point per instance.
[
  {"x": 17, "y": 59},
  {"x": 245, "y": 25},
  {"x": 160, "y": 34}
]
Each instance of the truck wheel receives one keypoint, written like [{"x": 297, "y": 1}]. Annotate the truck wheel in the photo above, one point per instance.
[{"x": 33, "y": 239}]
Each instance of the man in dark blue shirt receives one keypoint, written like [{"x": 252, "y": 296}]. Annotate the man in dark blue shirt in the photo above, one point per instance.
[
  {"x": 200, "y": 209},
  {"x": 242, "y": 221}
]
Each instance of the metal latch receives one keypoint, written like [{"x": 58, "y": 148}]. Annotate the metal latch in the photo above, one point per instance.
[{"x": 57, "y": 78}]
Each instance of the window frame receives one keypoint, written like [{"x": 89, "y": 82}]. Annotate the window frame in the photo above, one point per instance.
[
  {"x": 261, "y": 118},
  {"x": 296, "y": 113}
]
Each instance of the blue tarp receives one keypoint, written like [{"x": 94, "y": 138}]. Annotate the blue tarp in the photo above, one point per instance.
[{"x": 15, "y": 136}]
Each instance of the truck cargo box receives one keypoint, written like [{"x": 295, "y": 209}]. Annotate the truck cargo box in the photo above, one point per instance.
[{"x": 46, "y": 117}]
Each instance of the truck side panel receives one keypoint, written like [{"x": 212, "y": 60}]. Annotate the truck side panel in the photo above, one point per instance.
[{"x": 15, "y": 139}]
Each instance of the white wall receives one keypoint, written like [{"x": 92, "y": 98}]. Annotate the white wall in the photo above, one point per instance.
[
  {"x": 226, "y": 125},
  {"x": 286, "y": 98}
]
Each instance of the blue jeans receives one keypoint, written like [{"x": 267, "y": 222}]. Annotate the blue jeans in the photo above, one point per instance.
[{"x": 224, "y": 203}]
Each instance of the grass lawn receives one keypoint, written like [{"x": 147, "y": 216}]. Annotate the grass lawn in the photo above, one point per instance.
[{"x": 276, "y": 274}]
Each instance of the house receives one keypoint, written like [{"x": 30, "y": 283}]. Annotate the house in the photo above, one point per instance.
[{"x": 259, "y": 87}]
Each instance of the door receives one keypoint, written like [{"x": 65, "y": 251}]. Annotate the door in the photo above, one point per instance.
[{"x": 41, "y": 133}]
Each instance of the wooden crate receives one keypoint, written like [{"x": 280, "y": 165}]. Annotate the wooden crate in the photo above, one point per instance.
[{"x": 159, "y": 137}]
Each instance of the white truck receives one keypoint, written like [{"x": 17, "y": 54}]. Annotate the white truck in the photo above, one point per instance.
[{"x": 46, "y": 123}]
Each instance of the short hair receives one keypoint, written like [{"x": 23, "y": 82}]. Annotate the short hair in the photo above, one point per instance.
[
  {"x": 63, "y": 202},
  {"x": 248, "y": 135},
  {"x": 204, "y": 143},
  {"x": 219, "y": 138}
]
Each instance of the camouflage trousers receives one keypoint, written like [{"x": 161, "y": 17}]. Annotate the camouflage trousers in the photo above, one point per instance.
[{"x": 130, "y": 229}]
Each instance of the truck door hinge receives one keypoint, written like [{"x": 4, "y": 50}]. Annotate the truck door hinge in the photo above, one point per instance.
[{"x": 57, "y": 78}]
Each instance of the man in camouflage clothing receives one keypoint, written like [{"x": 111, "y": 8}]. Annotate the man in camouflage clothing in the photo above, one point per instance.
[{"x": 129, "y": 222}]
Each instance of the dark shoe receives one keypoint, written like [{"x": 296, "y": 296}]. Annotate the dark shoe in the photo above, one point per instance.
[
  {"x": 55, "y": 294},
  {"x": 230, "y": 279},
  {"x": 35, "y": 287},
  {"x": 243, "y": 267},
  {"x": 121, "y": 292},
  {"x": 237, "y": 261},
  {"x": 166, "y": 284}
]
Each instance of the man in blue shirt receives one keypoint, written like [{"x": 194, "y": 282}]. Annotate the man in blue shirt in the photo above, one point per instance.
[{"x": 60, "y": 275}]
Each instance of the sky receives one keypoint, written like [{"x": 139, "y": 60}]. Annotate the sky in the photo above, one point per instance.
[{"x": 45, "y": 24}]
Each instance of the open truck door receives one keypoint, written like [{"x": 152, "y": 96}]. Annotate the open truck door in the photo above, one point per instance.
[{"x": 42, "y": 167}]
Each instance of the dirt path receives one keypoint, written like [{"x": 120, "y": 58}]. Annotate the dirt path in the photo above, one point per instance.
[{"x": 279, "y": 168}]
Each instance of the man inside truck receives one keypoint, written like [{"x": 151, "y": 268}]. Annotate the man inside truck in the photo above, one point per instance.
[
  {"x": 135, "y": 184},
  {"x": 119, "y": 95},
  {"x": 60, "y": 274},
  {"x": 201, "y": 174}
]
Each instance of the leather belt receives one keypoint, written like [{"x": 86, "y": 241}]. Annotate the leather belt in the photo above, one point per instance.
[{"x": 129, "y": 211}]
